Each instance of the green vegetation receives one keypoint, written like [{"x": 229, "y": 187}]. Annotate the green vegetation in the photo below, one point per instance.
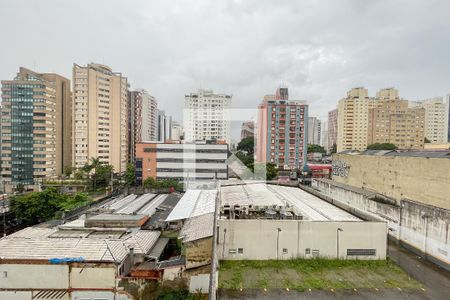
[
  {"x": 130, "y": 175},
  {"x": 313, "y": 148},
  {"x": 301, "y": 274},
  {"x": 36, "y": 207},
  {"x": 383, "y": 146},
  {"x": 247, "y": 158},
  {"x": 247, "y": 145},
  {"x": 163, "y": 183}
]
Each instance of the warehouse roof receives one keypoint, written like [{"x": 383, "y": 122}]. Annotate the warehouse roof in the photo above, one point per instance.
[
  {"x": 36, "y": 243},
  {"x": 303, "y": 203},
  {"x": 406, "y": 153},
  {"x": 197, "y": 228},
  {"x": 193, "y": 203}
]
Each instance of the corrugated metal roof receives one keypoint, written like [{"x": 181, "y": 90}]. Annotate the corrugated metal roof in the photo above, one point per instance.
[
  {"x": 159, "y": 247},
  {"x": 262, "y": 195},
  {"x": 193, "y": 203},
  {"x": 136, "y": 204},
  {"x": 75, "y": 244},
  {"x": 197, "y": 228}
]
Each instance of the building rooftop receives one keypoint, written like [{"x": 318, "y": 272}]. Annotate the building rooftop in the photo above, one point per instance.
[
  {"x": 197, "y": 228},
  {"x": 36, "y": 243},
  {"x": 193, "y": 203},
  {"x": 287, "y": 200},
  {"x": 406, "y": 153}
]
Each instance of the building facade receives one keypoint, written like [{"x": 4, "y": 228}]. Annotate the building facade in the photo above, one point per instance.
[
  {"x": 100, "y": 104},
  {"x": 353, "y": 120},
  {"x": 181, "y": 161},
  {"x": 282, "y": 131},
  {"x": 36, "y": 126},
  {"x": 436, "y": 119},
  {"x": 314, "y": 131},
  {"x": 177, "y": 131},
  {"x": 247, "y": 130},
  {"x": 142, "y": 119},
  {"x": 164, "y": 127},
  {"x": 332, "y": 128},
  {"x": 392, "y": 121},
  {"x": 206, "y": 116}
]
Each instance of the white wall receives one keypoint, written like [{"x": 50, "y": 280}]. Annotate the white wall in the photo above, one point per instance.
[
  {"x": 34, "y": 276},
  {"x": 16, "y": 295},
  {"x": 258, "y": 239},
  {"x": 98, "y": 277}
]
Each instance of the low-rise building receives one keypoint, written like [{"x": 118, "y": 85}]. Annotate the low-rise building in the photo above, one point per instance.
[
  {"x": 259, "y": 222},
  {"x": 181, "y": 161}
]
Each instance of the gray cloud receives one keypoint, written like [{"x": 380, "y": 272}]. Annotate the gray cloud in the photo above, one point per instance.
[{"x": 319, "y": 48}]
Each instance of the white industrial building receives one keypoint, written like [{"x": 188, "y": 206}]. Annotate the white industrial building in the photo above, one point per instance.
[
  {"x": 206, "y": 116},
  {"x": 259, "y": 221}
]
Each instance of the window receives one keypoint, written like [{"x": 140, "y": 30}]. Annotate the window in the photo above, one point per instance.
[
  {"x": 4, "y": 274},
  {"x": 232, "y": 251},
  {"x": 307, "y": 251},
  {"x": 285, "y": 250},
  {"x": 240, "y": 250},
  {"x": 315, "y": 252}
]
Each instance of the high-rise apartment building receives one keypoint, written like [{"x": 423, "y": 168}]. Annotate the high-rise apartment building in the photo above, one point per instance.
[
  {"x": 177, "y": 131},
  {"x": 36, "y": 123},
  {"x": 436, "y": 119},
  {"x": 282, "y": 131},
  {"x": 247, "y": 130},
  {"x": 332, "y": 128},
  {"x": 314, "y": 131},
  {"x": 392, "y": 121},
  {"x": 324, "y": 136},
  {"x": 206, "y": 116},
  {"x": 353, "y": 120},
  {"x": 100, "y": 104},
  {"x": 164, "y": 126},
  {"x": 142, "y": 119}
]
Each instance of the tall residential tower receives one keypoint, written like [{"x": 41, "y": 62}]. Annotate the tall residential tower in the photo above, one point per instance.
[
  {"x": 282, "y": 131},
  {"x": 36, "y": 126},
  {"x": 206, "y": 116},
  {"x": 100, "y": 116}
]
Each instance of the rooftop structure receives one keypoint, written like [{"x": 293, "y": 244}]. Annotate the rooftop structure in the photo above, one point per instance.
[
  {"x": 279, "y": 201},
  {"x": 194, "y": 203}
]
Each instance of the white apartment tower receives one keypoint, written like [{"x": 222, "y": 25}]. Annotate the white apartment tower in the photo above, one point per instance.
[
  {"x": 314, "y": 131},
  {"x": 100, "y": 123},
  {"x": 436, "y": 119},
  {"x": 206, "y": 116}
]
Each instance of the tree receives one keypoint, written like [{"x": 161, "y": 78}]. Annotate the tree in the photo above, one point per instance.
[
  {"x": 36, "y": 207},
  {"x": 271, "y": 171},
  {"x": 150, "y": 182},
  {"x": 68, "y": 171},
  {"x": 247, "y": 145},
  {"x": 130, "y": 175},
  {"x": 20, "y": 188},
  {"x": 245, "y": 158},
  {"x": 314, "y": 148},
  {"x": 383, "y": 146}
]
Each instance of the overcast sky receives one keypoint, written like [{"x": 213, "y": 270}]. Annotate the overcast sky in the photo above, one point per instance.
[{"x": 319, "y": 49}]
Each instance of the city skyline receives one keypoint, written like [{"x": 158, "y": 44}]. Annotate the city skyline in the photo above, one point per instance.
[{"x": 319, "y": 63}]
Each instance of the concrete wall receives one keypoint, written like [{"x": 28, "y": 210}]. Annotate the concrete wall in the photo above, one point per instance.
[
  {"x": 21, "y": 276},
  {"x": 16, "y": 295},
  {"x": 99, "y": 277},
  {"x": 199, "y": 252},
  {"x": 423, "y": 228},
  {"x": 258, "y": 239},
  {"x": 425, "y": 180}
]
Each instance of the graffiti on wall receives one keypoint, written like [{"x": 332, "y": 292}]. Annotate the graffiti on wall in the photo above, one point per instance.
[{"x": 340, "y": 168}]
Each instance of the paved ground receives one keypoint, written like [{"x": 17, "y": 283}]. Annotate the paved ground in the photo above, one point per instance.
[
  {"x": 435, "y": 279},
  {"x": 389, "y": 294}
]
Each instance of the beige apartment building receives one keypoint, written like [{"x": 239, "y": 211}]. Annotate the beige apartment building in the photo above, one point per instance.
[
  {"x": 353, "y": 120},
  {"x": 100, "y": 116},
  {"x": 36, "y": 128},
  {"x": 436, "y": 119},
  {"x": 392, "y": 121}
]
